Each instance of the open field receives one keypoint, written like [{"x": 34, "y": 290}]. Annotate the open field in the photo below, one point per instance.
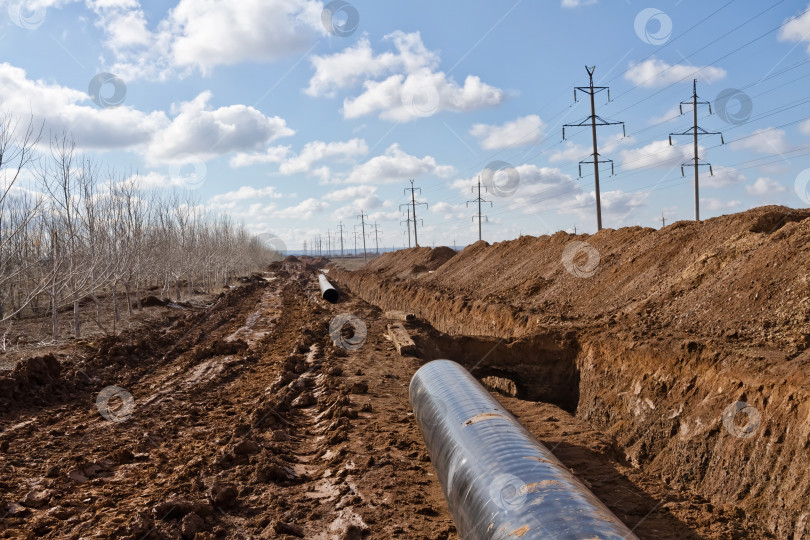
[{"x": 246, "y": 420}]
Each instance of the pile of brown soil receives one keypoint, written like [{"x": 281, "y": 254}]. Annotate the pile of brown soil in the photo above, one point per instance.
[
  {"x": 34, "y": 378},
  {"x": 743, "y": 277},
  {"x": 410, "y": 263},
  {"x": 689, "y": 345}
]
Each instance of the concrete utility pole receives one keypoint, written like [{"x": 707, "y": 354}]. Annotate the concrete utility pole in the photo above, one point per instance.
[
  {"x": 340, "y": 228},
  {"x": 479, "y": 200},
  {"x": 413, "y": 191},
  {"x": 363, "y": 217},
  {"x": 376, "y": 238},
  {"x": 594, "y": 120},
  {"x": 695, "y": 131},
  {"x": 663, "y": 220},
  {"x": 408, "y": 221}
]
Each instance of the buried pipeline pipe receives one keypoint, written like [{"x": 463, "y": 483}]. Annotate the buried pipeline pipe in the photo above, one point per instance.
[
  {"x": 499, "y": 481},
  {"x": 328, "y": 292}
]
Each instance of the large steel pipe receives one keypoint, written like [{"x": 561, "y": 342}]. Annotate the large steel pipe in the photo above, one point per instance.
[
  {"x": 499, "y": 481},
  {"x": 328, "y": 292}
]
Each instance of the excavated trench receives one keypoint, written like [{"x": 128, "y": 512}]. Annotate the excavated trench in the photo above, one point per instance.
[
  {"x": 733, "y": 428},
  {"x": 541, "y": 368}
]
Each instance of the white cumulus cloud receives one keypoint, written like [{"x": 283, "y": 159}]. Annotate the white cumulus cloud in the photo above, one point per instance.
[
  {"x": 797, "y": 30},
  {"x": 523, "y": 131},
  {"x": 764, "y": 186},
  {"x": 201, "y": 132},
  {"x": 654, "y": 73},
  {"x": 395, "y": 166},
  {"x": 399, "y": 85}
]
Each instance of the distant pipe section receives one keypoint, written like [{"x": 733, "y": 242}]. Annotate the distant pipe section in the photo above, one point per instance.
[
  {"x": 499, "y": 481},
  {"x": 328, "y": 292}
]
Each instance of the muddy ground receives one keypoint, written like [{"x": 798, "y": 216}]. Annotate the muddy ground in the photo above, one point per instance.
[{"x": 246, "y": 420}]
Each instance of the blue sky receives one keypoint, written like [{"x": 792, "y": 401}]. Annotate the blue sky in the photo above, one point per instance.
[{"x": 292, "y": 121}]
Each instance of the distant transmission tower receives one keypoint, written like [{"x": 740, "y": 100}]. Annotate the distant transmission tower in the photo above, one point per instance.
[
  {"x": 479, "y": 200},
  {"x": 408, "y": 221},
  {"x": 340, "y": 228},
  {"x": 413, "y": 191},
  {"x": 362, "y": 217},
  {"x": 376, "y": 238},
  {"x": 696, "y": 131},
  {"x": 594, "y": 120}
]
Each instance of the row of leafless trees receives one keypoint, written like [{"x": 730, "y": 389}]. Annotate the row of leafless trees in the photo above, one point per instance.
[{"x": 71, "y": 231}]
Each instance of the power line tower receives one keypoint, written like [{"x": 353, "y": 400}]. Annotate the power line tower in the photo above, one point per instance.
[
  {"x": 594, "y": 120},
  {"x": 413, "y": 191},
  {"x": 340, "y": 228},
  {"x": 479, "y": 200},
  {"x": 376, "y": 239},
  {"x": 663, "y": 220},
  {"x": 355, "y": 242},
  {"x": 328, "y": 242},
  {"x": 362, "y": 218},
  {"x": 408, "y": 221},
  {"x": 696, "y": 131}
]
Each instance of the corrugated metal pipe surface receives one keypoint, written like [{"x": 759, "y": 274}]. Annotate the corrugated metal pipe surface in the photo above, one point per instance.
[
  {"x": 499, "y": 481},
  {"x": 328, "y": 292}
]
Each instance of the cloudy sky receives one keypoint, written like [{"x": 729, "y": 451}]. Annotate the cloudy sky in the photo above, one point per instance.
[{"x": 296, "y": 115}]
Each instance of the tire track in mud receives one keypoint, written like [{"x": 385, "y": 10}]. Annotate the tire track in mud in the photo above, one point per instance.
[{"x": 282, "y": 434}]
